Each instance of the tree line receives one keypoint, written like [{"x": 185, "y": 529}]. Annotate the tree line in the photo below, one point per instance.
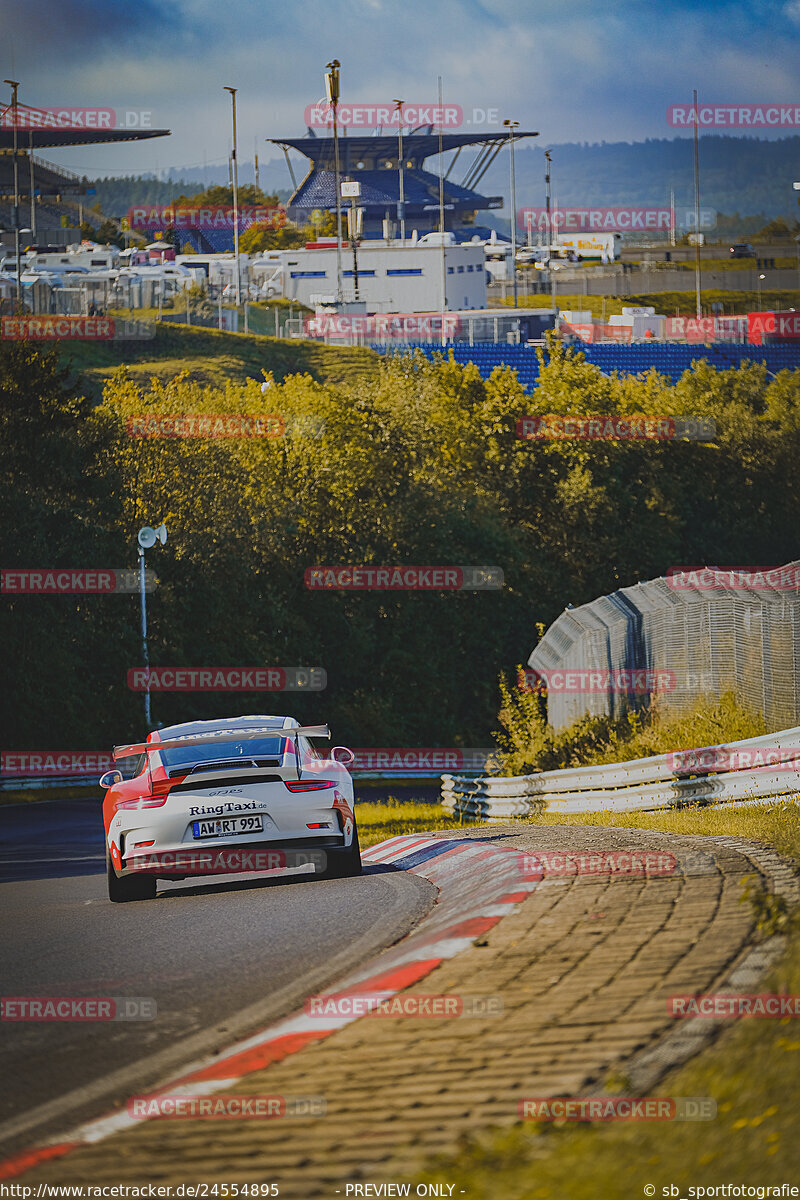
[{"x": 419, "y": 466}]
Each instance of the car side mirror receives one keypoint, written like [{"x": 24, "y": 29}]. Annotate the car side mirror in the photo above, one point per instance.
[
  {"x": 343, "y": 755},
  {"x": 110, "y": 778}
]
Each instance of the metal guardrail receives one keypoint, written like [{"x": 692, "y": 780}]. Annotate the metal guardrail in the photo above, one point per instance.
[
  {"x": 641, "y": 785},
  {"x": 19, "y": 783}
]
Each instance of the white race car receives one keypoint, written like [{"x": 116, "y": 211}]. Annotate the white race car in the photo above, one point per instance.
[{"x": 237, "y": 795}]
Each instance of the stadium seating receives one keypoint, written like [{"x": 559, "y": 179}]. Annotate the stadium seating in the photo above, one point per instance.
[{"x": 670, "y": 359}]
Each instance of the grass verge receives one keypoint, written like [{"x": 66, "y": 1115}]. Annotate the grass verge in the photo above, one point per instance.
[
  {"x": 752, "y": 1072},
  {"x": 214, "y": 358},
  {"x": 667, "y": 303},
  {"x": 378, "y": 820}
]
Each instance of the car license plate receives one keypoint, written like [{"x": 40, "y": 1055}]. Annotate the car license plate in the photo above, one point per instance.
[{"x": 225, "y": 826}]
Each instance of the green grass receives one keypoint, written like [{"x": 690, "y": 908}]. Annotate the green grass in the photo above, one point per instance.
[
  {"x": 378, "y": 820},
  {"x": 752, "y": 1072},
  {"x": 667, "y": 303},
  {"x": 742, "y": 264},
  {"x": 214, "y": 357}
]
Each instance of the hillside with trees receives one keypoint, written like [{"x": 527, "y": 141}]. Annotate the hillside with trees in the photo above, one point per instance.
[{"x": 419, "y": 464}]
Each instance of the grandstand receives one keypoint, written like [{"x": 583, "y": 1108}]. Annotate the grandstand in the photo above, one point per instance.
[
  {"x": 372, "y": 161},
  {"x": 56, "y": 192},
  {"x": 671, "y": 359}
]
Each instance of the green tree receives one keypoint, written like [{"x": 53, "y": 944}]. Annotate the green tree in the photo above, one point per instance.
[{"x": 263, "y": 236}]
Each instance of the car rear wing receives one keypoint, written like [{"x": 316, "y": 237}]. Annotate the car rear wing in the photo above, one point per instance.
[{"x": 223, "y": 735}]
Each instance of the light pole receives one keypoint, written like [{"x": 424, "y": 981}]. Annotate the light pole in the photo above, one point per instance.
[
  {"x": 549, "y": 231},
  {"x": 352, "y": 189},
  {"x": 697, "y": 282},
  {"x": 235, "y": 197},
  {"x": 332, "y": 91},
  {"x": 147, "y": 538},
  {"x": 758, "y": 290},
  {"x": 14, "y": 85},
  {"x": 511, "y": 127},
  {"x": 401, "y": 202}
]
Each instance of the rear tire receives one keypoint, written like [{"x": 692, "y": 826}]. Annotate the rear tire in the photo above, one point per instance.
[
  {"x": 343, "y": 864},
  {"x": 129, "y": 887}
]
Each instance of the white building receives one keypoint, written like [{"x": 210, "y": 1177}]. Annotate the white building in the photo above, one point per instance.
[
  {"x": 392, "y": 276},
  {"x": 642, "y": 322}
]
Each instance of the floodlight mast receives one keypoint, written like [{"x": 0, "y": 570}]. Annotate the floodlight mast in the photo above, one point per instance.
[
  {"x": 147, "y": 538},
  {"x": 237, "y": 292},
  {"x": 512, "y": 125},
  {"x": 401, "y": 202},
  {"x": 14, "y": 85},
  {"x": 332, "y": 92}
]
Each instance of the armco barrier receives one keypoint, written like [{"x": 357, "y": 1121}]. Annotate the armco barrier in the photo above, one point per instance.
[{"x": 643, "y": 784}]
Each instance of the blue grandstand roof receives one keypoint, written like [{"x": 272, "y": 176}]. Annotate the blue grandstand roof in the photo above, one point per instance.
[{"x": 381, "y": 189}]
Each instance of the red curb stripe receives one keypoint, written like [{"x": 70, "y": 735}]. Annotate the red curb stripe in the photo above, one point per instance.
[
  {"x": 257, "y": 1057},
  {"x": 393, "y": 980},
  {"x": 19, "y": 1163},
  {"x": 472, "y": 927},
  {"x": 388, "y": 851}
]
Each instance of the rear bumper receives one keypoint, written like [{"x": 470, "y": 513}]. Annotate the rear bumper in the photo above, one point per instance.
[{"x": 185, "y": 861}]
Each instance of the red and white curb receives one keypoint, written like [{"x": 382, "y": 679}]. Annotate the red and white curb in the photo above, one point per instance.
[{"x": 479, "y": 883}]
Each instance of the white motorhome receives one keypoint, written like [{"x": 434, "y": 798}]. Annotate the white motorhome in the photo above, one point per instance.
[
  {"x": 217, "y": 269},
  {"x": 86, "y": 255}
]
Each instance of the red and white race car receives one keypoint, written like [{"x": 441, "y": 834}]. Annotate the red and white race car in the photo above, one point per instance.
[{"x": 237, "y": 795}]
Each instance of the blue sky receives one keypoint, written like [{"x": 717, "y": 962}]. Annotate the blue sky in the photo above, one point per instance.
[{"x": 581, "y": 70}]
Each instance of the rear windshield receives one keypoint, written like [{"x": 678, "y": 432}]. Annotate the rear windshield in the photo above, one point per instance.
[{"x": 256, "y": 748}]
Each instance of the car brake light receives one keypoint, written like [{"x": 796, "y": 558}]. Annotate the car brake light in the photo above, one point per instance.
[
  {"x": 139, "y": 845},
  {"x": 309, "y": 785},
  {"x": 160, "y": 787},
  {"x": 142, "y": 802},
  {"x": 318, "y": 825}
]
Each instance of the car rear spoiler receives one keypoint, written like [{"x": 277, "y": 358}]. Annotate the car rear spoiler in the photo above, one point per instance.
[{"x": 223, "y": 735}]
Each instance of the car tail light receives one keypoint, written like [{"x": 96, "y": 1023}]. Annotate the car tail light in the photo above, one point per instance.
[
  {"x": 141, "y": 845},
  {"x": 318, "y": 825},
  {"x": 142, "y": 802},
  {"x": 160, "y": 787},
  {"x": 309, "y": 785}
]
